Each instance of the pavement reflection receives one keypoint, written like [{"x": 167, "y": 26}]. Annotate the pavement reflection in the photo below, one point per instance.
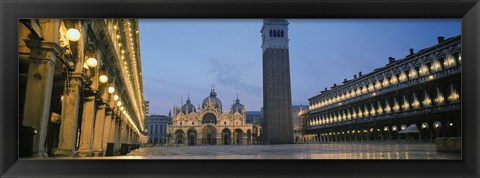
[{"x": 413, "y": 151}]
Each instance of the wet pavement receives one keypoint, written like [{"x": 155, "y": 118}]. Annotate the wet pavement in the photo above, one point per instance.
[{"x": 415, "y": 151}]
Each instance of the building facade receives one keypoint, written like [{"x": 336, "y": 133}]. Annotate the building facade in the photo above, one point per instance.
[
  {"x": 297, "y": 111},
  {"x": 210, "y": 125},
  {"x": 80, "y": 87},
  {"x": 277, "y": 99},
  {"x": 157, "y": 128},
  {"x": 417, "y": 98},
  {"x": 256, "y": 119}
]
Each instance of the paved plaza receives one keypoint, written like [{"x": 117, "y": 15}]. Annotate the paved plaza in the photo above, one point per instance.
[{"x": 295, "y": 151}]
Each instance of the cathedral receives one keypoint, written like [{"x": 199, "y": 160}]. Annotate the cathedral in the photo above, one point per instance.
[{"x": 209, "y": 124}]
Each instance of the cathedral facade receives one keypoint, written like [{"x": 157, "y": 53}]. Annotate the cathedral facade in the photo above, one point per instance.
[{"x": 209, "y": 124}]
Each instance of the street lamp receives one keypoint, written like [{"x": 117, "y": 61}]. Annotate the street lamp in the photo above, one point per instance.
[
  {"x": 115, "y": 97},
  {"x": 111, "y": 90},
  {"x": 119, "y": 103},
  {"x": 91, "y": 62},
  {"x": 103, "y": 79},
  {"x": 73, "y": 34}
]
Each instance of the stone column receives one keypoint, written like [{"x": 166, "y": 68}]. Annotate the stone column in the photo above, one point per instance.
[
  {"x": 107, "y": 130},
  {"x": 129, "y": 135},
  {"x": 36, "y": 112},
  {"x": 97, "y": 147},
  {"x": 121, "y": 138},
  {"x": 88, "y": 121},
  {"x": 70, "y": 111},
  {"x": 123, "y": 135},
  {"x": 118, "y": 132}
]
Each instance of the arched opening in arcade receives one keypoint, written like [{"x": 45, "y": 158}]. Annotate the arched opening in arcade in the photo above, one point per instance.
[
  {"x": 192, "y": 136},
  {"x": 425, "y": 132},
  {"x": 226, "y": 136},
  {"x": 209, "y": 135},
  {"x": 238, "y": 136},
  {"x": 179, "y": 136}
]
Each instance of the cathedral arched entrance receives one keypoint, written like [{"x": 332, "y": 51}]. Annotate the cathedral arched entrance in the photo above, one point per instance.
[
  {"x": 238, "y": 136},
  {"x": 179, "y": 136},
  {"x": 209, "y": 135},
  {"x": 192, "y": 136},
  {"x": 209, "y": 118},
  {"x": 226, "y": 136}
]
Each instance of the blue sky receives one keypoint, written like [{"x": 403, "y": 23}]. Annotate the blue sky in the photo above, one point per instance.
[{"x": 182, "y": 57}]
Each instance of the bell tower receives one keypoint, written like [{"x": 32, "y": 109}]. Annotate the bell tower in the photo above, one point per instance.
[{"x": 277, "y": 99}]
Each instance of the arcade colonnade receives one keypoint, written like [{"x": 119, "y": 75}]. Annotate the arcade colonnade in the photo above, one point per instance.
[
  {"x": 414, "y": 98},
  {"x": 80, "y": 87}
]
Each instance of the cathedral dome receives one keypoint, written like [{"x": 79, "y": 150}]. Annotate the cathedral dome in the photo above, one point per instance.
[
  {"x": 212, "y": 100},
  {"x": 188, "y": 107},
  {"x": 237, "y": 107}
]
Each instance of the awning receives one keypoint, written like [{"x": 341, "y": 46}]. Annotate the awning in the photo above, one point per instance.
[{"x": 410, "y": 129}]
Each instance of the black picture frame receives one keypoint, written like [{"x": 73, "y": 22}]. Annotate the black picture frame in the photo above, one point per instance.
[{"x": 467, "y": 10}]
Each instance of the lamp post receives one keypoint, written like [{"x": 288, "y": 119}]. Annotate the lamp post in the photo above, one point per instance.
[{"x": 73, "y": 34}]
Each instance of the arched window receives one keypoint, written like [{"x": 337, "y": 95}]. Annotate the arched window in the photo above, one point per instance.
[
  {"x": 209, "y": 118},
  {"x": 281, "y": 33},
  {"x": 275, "y": 33}
]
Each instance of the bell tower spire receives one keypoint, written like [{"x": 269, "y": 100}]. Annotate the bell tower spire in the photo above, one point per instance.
[
  {"x": 274, "y": 34},
  {"x": 277, "y": 95}
]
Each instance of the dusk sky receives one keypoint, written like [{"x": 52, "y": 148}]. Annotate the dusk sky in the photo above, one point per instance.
[{"x": 186, "y": 56}]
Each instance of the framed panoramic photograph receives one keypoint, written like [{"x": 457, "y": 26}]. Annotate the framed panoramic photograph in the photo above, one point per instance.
[{"x": 240, "y": 88}]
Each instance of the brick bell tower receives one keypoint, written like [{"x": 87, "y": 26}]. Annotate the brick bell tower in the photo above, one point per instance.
[{"x": 277, "y": 95}]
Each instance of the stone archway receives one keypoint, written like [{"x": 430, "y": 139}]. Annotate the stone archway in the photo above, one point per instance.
[
  {"x": 226, "y": 136},
  {"x": 192, "y": 136},
  {"x": 209, "y": 135},
  {"x": 179, "y": 137},
  {"x": 238, "y": 136}
]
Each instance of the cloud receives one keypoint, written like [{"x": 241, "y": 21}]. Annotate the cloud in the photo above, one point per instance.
[{"x": 232, "y": 75}]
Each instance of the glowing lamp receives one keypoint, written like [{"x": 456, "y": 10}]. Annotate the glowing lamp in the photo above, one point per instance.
[
  {"x": 115, "y": 97},
  {"x": 91, "y": 62},
  {"x": 73, "y": 34},
  {"x": 103, "y": 79},
  {"x": 111, "y": 90},
  {"x": 121, "y": 108},
  {"x": 119, "y": 103}
]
